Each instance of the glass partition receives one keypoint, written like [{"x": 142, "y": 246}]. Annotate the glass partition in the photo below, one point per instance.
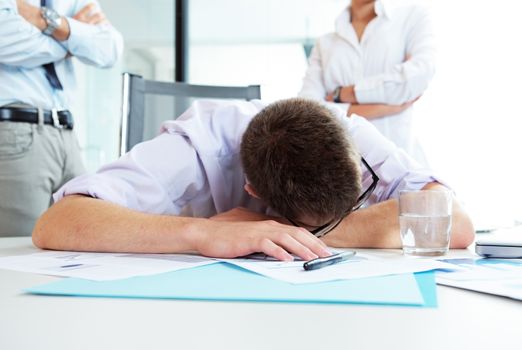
[{"x": 148, "y": 31}]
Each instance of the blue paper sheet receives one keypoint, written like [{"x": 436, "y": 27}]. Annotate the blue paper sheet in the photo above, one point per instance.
[
  {"x": 427, "y": 285},
  {"x": 225, "y": 282}
]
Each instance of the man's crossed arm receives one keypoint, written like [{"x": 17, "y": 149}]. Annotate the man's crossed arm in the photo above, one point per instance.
[{"x": 32, "y": 14}]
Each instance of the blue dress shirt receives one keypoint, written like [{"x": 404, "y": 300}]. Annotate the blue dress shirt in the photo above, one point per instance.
[{"x": 24, "y": 49}]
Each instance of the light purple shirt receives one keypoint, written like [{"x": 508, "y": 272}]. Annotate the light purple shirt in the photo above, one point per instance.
[{"x": 193, "y": 167}]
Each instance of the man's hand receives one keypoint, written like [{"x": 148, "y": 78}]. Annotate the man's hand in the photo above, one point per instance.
[
  {"x": 226, "y": 237},
  {"x": 270, "y": 235},
  {"x": 89, "y": 14}
]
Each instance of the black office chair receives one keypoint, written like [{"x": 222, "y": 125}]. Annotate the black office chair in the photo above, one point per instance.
[{"x": 148, "y": 103}]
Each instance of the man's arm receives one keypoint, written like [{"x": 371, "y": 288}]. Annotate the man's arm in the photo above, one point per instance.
[
  {"x": 86, "y": 224},
  {"x": 93, "y": 40},
  {"x": 22, "y": 44},
  {"x": 33, "y": 15},
  {"x": 378, "y": 226},
  {"x": 87, "y": 35}
]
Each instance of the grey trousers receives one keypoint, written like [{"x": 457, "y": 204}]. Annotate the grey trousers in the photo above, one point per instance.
[{"x": 35, "y": 160}]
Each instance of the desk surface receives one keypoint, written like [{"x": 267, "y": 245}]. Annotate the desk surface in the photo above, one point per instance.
[{"x": 464, "y": 319}]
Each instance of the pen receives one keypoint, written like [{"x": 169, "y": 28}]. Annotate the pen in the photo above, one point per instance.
[
  {"x": 69, "y": 266},
  {"x": 327, "y": 261}
]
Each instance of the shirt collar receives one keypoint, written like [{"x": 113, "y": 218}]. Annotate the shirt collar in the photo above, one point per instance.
[
  {"x": 343, "y": 25},
  {"x": 382, "y": 9}
]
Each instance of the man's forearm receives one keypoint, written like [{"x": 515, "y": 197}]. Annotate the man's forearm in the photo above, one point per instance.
[
  {"x": 28, "y": 48},
  {"x": 378, "y": 226},
  {"x": 33, "y": 15},
  {"x": 88, "y": 224}
]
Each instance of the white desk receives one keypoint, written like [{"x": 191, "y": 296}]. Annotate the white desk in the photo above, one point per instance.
[{"x": 463, "y": 320}]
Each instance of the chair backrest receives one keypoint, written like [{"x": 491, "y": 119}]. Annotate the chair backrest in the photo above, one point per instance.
[{"x": 148, "y": 103}]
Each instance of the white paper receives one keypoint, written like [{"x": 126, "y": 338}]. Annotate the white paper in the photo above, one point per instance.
[
  {"x": 101, "y": 266},
  {"x": 112, "y": 266},
  {"x": 360, "y": 266},
  {"x": 492, "y": 276}
]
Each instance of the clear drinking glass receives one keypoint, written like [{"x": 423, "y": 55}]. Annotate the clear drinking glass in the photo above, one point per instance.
[{"x": 425, "y": 222}]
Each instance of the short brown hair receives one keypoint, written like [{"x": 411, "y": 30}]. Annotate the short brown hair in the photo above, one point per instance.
[{"x": 298, "y": 157}]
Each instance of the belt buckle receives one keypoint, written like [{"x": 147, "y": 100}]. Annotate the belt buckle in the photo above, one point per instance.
[{"x": 56, "y": 121}]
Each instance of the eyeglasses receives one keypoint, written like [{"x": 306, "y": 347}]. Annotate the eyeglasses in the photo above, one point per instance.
[{"x": 323, "y": 230}]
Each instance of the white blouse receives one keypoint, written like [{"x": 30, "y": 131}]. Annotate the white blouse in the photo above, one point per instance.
[
  {"x": 193, "y": 167},
  {"x": 377, "y": 65}
]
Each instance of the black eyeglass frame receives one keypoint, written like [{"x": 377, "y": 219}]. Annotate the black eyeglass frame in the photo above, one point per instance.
[{"x": 327, "y": 228}]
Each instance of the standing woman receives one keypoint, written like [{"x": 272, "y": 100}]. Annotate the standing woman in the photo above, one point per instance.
[{"x": 376, "y": 64}]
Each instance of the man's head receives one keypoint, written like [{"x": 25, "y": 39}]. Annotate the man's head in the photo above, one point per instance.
[{"x": 298, "y": 158}]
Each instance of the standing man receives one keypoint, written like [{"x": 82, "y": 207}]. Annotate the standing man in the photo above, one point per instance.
[{"x": 38, "y": 148}]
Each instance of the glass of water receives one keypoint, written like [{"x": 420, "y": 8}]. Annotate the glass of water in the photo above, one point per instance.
[{"x": 425, "y": 222}]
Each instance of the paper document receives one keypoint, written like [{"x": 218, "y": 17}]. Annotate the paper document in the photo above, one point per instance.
[
  {"x": 101, "y": 266},
  {"x": 493, "y": 276},
  {"x": 360, "y": 266},
  {"x": 112, "y": 266}
]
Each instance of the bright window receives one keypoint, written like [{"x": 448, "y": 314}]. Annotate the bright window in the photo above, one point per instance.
[{"x": 468, "y": 120}]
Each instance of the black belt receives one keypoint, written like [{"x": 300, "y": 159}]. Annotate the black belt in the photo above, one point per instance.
[{"x": 62, "y": 119}]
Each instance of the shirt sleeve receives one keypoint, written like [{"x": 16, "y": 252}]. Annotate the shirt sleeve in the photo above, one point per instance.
[
  {"x": 408, "y": 80},
  {"x": 21, "y": 43},
  {"x": 98, "y": 45},
  {"x": 396, "y": 170},
  {"x": 313, "y": 83},
  {"x": 158, "y": 176}
]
